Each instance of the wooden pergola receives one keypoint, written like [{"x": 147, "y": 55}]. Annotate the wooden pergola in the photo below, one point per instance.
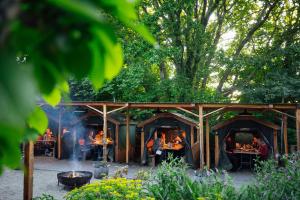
[{"x": 200, "y": 110}]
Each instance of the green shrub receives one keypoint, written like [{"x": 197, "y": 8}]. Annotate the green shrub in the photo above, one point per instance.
[
  {"x": 274, "y": 182},
  {"x": 172, "y": 182},
  {"x": 109, "y": 189}
]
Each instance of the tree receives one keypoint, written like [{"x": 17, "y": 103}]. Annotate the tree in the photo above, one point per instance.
[{"x": 42, "y": 44}]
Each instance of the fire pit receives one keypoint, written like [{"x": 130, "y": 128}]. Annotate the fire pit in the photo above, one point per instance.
[{"x": 74, "y": 178}]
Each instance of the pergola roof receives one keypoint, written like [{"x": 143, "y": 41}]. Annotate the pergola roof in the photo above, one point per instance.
[
  {"x": 189, "y": 106},
  {"x": 177, "y": 116},
  {"x": 245, "y": 118}
]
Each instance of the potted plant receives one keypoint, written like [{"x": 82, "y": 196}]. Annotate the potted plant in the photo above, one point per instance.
[{"x": 100, "y": 169}]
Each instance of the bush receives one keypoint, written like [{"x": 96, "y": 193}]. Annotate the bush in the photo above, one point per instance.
[
  {"x": 276, "y": 182},
  {"x": 171, "y": 181},
  {"x": 110, "y": 189}
]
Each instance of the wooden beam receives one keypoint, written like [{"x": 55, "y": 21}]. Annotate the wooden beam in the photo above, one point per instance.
[
  {"x": 201, "y": 143},
  {"x": 142, "y": 144},
  {"x": 285, "y": 139},
  {"x": 127, "y": 136},
  {"x": 95, "y": 109},
  {"x": 118, "y": 109},
  {"x": 187, "y": 111},
  {"x": 207, "y": 143},
  {"x": 117, "y": 143},
  {"x": 283, "y": 113},
  {"x": 210, "y": 113},
  {"x": 105, "y": 133},
  {"x": 275, "y": 143},
  {"x": 59, "y": 135},
  {"x": 216, "y": 150},
  {"x": 192, "y": 135},
  {"x": 298, "y": 128},
  {"x": 28, "y": 171}
]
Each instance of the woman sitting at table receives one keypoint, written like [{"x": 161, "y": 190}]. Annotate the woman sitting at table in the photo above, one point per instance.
[{"x": 263, "y": 149}]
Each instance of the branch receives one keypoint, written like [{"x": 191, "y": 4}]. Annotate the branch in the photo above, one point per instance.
[{"x": 262, "y": 18}]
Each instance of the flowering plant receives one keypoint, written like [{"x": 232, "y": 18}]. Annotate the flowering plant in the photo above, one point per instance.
[{"x": 110, "y": 189}]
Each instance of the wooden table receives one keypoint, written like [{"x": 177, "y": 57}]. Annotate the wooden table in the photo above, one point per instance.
[
  {"x": 174, "y": 147},
  {"x": 98, "y": 144},
  {"x": 242, "y": 154}
]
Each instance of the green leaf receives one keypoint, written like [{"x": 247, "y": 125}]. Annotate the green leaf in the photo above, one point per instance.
[
  {"x": 10, "y": 138},
  {"x": 38, "y": 120},
  {"x": 97, "y": 73},
  {"x": 80, "y": 8},
  {"x": 54, "y": 97},
  {"x": 113, "y": 56}
]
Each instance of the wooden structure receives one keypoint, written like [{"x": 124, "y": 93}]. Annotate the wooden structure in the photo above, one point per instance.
[
  {"x": 246, "y": 123},
  {"x": 167, "y": 119},
  {"x": 199, "y": 110}
]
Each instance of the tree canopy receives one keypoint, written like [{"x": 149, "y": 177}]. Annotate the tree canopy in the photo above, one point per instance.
[{"x": 211, "y": 51}]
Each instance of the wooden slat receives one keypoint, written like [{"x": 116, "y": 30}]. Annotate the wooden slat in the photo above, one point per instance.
[
  {"x": 192, "y": 135},
  {"x": 207, "y": 143},
  {"x": 216, "y": 150},
  {"x": 117, "y": 144},
  {"x": 201, "y": 143},
  {"x": 28, "y": 172},
  {"x": 298, "y": 128},
  {"x": 187, "y": 111},
  {"x": 142, "y": 144},
  {"x": 127, "y": 137},
  {"x": 105, "y": 133},
  {"x": 275, "y": 143},
  {"x": 59, "y": 135},
  {"x": 285, "y": 139}
]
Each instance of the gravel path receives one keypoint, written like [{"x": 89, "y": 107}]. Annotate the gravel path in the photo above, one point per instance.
[{"x": 45, "y": 181}]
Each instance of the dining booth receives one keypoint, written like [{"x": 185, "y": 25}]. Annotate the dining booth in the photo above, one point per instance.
[
  {"x": 171, "y": 125},
  {"x": 242, "y": 131}
]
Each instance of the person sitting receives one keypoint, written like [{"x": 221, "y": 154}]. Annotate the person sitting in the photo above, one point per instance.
[
  {"x": 91, "y": 137},
  {"x": 99, "y": 136},
  {"x": 255, "y": 143},
  {"x": 263, "y": 149},
  {"x": 48, "y": 137},
  {"x": 229, "y": 148},
  {"x": 150, "y": 145},
  {"x": 158, "y": 147}
]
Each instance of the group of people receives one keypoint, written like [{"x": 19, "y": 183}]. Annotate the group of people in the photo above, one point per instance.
[
  {"x": 158, "y": 146},
  {"x": 258, "y": 146},
  {"x": 46, "y": 143}
]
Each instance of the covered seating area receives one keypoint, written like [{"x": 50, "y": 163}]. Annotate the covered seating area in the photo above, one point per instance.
[
  {"x": 167, "y": 133},
  {"x": 199, "y": 112},
  {"x": 238, "y": 141}
]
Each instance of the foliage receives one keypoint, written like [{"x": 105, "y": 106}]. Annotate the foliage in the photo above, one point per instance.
[
  {"x": 44, "y": 197},
  {"x": 276, "y": 182},
  {"x": 42, "y": 45},
  {"x": 171, "y": 181},
  {"x": 118, "y": 188}
]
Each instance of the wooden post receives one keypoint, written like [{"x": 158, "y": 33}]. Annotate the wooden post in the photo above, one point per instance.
[
  {"x": 201, "y": 137},
  {"x": 198, "y": 135},
  {"x": 127, "y": 137},
  {"x": 207, "y": 143},
  {"x": 285, "y": 139},
  {"x": 275, "y": 143},
  {"x": 117, "y": 143},
  {"x": 142, "y": 144},
  {"x": 28, "y": 172},
  {"x": 216, "y": 150},
  {"x": 298, "y": 128},
  {"x": 59, "y": 135},
  {"x": 192, "y": 135},
  {"x": 105, "y": 133}
]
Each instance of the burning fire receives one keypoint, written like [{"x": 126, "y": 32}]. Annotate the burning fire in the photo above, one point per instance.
[{"x": 73, "y": 174}]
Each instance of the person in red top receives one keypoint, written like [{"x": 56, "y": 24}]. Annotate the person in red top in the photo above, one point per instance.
[{"x": 262, "y": 149}]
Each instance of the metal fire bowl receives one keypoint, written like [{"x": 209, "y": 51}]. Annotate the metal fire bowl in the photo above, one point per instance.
[{"x": 83, "y": 177}]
